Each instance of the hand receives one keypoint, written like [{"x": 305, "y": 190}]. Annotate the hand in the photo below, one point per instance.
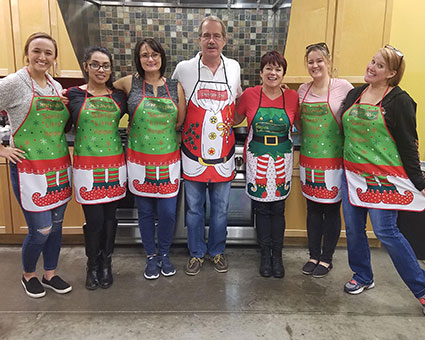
[
  {"x": 63, "y": 97},
  {"x": 12, "y": 154},
  {"x": 423, "y": 192}
]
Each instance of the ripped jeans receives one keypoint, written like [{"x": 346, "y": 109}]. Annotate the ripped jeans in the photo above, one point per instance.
[{"x": 44, "y": 232}]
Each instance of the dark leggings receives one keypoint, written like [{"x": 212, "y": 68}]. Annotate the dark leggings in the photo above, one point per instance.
[
  {"x": 97, "y": 214},
  {"x": 270, "y": 223},
  {"x": 323, "y": 223}
]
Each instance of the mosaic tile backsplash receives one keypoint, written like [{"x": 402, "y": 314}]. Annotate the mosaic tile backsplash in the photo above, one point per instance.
[{"x": 251, "y": 33}]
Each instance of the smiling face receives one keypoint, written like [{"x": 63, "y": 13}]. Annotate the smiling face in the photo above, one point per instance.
[
  {"x": 41, "y": 55},
  {"x": 377, "y": 71},
  {"x": 211, "y": 40},
  {"x": 96, "y": 74},
  {"x": 150, "y": 59},
  {"x": 272, "y": 75},
  {"x": 317, "y": 65}
]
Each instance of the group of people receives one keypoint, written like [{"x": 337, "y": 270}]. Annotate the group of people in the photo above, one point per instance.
[{"x": 358, "y": 147}]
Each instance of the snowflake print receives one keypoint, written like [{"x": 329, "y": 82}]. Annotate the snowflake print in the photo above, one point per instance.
[{"x": 43, "y": 141}]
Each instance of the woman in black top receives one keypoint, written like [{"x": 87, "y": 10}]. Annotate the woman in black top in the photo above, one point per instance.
[{"x": 99, "y": 169}]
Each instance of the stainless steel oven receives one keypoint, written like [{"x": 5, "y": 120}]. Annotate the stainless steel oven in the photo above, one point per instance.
[{"x": 240, "y": 218}]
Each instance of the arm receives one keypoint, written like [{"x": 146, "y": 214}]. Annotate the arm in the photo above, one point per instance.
[
  {"x": 402, "y": 125},
  {"x": 181, "y": 114},
  {"x": 124, "y": 84}
]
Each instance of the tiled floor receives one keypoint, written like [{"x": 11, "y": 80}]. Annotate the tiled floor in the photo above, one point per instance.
[{"x": 237, "y": 305}]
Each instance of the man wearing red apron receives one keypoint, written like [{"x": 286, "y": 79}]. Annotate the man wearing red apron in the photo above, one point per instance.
[{"x": 208, "y": 142}]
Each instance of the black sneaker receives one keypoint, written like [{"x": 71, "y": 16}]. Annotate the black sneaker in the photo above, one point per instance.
[
  {"x": 33, "y": 287},
  {"x": 57, "y": 285},
  {"x": 321, "y": 270},
  {"x": 309, "y": 267},
  {"x": 220, "y": 263}
]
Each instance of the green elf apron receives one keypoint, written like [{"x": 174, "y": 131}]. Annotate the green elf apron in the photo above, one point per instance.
[
  {"x": 99, "y": 171},
  {"x": 375, "y": 174},
  {"x": 153, "y": 155},
  {"x": 321, "y": 164},
  {"x": 269, "y": 155},
  {"x": 44, "y": 176}
]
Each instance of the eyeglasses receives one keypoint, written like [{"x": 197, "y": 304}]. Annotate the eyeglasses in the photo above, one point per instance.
[
  {"x": 320, "y": 45},
  {"x": 96, "y": 66},
  {"x": 154, "y": 55},
  {"x": 207, "y": 36}
]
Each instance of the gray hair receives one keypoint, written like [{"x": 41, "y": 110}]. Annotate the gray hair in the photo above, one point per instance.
[{"x": 216, "y": 19}]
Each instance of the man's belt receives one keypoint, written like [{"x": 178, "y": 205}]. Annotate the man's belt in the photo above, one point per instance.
[
  {"x": 207, "y": 162},
  {"x": 270, "y": 140}
]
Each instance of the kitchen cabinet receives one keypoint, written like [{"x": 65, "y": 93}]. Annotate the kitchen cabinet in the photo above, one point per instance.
[
  {"x": 7, "y": 56},
  {"x": 353, "y": 30},
  {"x": 29, "y": 16},
  {"x": 5, "y": 194}
]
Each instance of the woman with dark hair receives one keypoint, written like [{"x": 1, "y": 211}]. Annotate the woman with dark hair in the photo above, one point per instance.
[
  {"x": 271, "y": 112},
  {"x": 40, "y": 166},
  {"x": 382, "y": 171},
  {"x": 99, "y": 169},
  {"x": 321, "y": 168},
  {"x": 157, "y": 108}
]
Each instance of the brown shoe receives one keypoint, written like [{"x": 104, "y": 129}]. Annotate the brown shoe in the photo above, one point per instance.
[
  {"x": 193, "y": 265},
  {"x": 220, "y": 263}
]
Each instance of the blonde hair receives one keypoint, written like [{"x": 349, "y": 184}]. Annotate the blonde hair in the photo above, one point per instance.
[
  {"x": 322, "y": 48},
  {"x": 395, "y": 63}
]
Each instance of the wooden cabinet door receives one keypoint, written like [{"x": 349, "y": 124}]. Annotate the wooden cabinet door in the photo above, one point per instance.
[
  {"x": 30, "y": 16},
  {"x": 7, "y": 56},
  {"x": 310, "y": 22},
  {"x": 362, "y": 27},
  {"x": 67, "y": 63},
  {"x": 5, "y": 196}
]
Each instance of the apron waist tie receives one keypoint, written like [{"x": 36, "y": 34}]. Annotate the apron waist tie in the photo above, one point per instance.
[
  {"x": 270, "y": 140},
  {"x": 207, "y": 162}
]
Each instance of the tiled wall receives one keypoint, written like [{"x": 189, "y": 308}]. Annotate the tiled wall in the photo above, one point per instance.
[{"x": 251, "y": 33}]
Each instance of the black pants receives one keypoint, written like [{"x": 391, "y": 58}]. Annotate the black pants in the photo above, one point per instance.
[
  {"x": 97, "y": 214},
  {"x": 270, "y": 222},
  {"x": 323, "y": 223}
]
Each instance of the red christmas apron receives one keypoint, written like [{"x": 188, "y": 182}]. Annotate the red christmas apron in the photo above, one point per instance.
[
  {"x": 99, "y": 169},
  {"x": 375, "y": 174},
  {"x": 208, "y": 143},
  {"x": 153, "y": 155},
  {"x": 321, "y": 165},
  {"x": 45, "y": 174}
]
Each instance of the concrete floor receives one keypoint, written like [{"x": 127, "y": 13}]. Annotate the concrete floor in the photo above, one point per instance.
[{"x": 237, "y": 305}]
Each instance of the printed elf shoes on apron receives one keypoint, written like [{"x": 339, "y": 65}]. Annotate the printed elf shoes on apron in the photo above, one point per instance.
[
  {"x": 375, "y": 174},
  {"x": 153, "y": 155},
  {"x": 321, "y": 152},
  {"x": 99, "y": 163},
  {"x": 45, "y": 173}
]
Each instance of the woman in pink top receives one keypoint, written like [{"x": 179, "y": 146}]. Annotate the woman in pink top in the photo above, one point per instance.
[{"x": 321, "y": 157}]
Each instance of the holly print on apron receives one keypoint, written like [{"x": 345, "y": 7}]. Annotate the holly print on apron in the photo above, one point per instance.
[
  {"x": 153, "y": 155},
  {"x": 208, "y": 144},
  {"x": 99, "y": 163},
  {"x": 269, "y": 154},
  {"x": 321, "y": 164},
  {"x": 375, "y": 174},
  {"x": 44, "y": 176}
]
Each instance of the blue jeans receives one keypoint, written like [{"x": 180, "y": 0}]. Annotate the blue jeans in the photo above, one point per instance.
[
  {"x": 166, "y": 212},
  {"x": 195, "y": 195},
  {"x": 44, "y": 232},
  {"x": 384, "y": 223}
]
